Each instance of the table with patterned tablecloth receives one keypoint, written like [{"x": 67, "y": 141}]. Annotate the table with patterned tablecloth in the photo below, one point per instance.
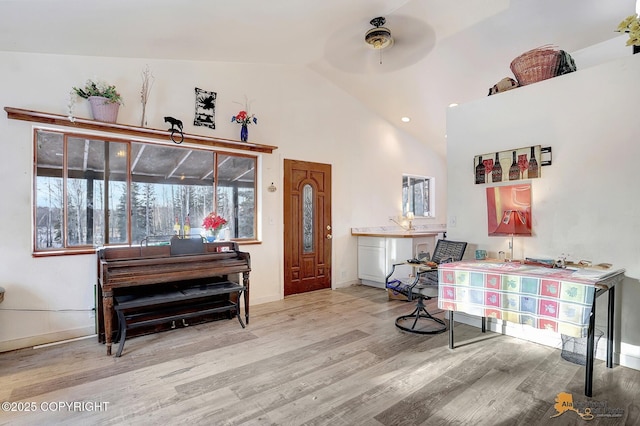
[{"x": 559, "y": 300}]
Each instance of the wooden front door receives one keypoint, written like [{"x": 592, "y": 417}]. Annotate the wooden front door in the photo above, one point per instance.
[{"x": 307, "y": 226}]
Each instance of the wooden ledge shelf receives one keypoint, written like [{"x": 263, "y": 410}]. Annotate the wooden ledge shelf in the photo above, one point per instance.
[{"x": 123, "y": 129}]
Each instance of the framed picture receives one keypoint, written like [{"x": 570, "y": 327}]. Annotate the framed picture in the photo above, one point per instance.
[
  {"x": 505, "y": 166},
  {"x": 509, "y": 210},
  {"x": 205, "y": 109}
]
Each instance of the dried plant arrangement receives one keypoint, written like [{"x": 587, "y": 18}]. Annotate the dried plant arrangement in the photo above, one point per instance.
[{"x": 147, "y": 84}]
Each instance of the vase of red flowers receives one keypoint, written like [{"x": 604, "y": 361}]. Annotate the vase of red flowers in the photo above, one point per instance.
[
  {"x": 244, "y": 119},
  {"x": 212, "y": 223}
]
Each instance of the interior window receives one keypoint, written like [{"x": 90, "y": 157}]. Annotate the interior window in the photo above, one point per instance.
[
  {"x": 92, "y": 192},
  {"x": 417, "y": 196}
]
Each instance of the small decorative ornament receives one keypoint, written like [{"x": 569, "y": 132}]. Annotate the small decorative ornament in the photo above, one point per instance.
[
  {"x": 503, "y": 85},
  {"x": 70, "y": 106},
  {"x": 176, "y": 127}
]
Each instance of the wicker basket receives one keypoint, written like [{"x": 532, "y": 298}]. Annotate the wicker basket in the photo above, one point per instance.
[
  {"x": 103, "y": 110},
  {"x": 536, "y": 65}
]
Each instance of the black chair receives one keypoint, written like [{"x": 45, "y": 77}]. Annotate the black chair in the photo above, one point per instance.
[{"x": 424, "y": 286}]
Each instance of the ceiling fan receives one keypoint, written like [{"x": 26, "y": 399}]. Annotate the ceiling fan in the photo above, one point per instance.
[
  {"x": 378, "y": 38},
  {"x": 412, "y": 40}
]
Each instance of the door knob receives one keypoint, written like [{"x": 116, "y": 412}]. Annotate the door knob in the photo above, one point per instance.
[
  {"x": 328, "y": 227},
  {"x": 329, "y": 236}
]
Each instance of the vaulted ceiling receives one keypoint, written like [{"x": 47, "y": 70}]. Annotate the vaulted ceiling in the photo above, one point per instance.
[{"x": 445, "y": 51}]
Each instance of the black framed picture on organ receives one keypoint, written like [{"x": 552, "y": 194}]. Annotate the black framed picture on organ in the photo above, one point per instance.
[{"x": 510, "y": 165}]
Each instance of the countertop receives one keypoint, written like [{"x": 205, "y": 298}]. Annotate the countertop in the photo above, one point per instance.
[{"x": 396, "y": 234}]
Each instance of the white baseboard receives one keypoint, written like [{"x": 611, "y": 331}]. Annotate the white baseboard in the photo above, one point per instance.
[
  {"x": 42, "y": 339},
  {"x": 260, "y": 300},
  {"x": 628, "y": 361},
  {"x": 372, "y": 283},
  {"x": 346, "y": 284},
  {"x": 542, "y": 337}
]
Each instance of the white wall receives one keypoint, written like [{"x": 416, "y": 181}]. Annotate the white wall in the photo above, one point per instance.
[
  {"x": 49, "y": 299},
  {"x": 586, "y": 204}
]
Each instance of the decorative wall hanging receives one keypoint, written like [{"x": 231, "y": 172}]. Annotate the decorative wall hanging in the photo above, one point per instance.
[
  {"x": 509, "y": 211},
  {"x": 205, "y": 109},
  {"x": 504, "y": 166}
]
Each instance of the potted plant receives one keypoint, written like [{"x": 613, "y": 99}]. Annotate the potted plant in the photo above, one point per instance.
[
  {"x": 103, "y": 98},
  {"x": 631, "y": 26}
]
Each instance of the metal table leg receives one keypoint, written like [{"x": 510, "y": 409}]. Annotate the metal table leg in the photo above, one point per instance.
[
  {"x": 610, "y": 319},
  {"x": 451, "y": 346},
  {"x": 588, "y": 379}
]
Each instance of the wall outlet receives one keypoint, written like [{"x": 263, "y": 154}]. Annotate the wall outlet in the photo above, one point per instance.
[{"x": 453, "y": 221}]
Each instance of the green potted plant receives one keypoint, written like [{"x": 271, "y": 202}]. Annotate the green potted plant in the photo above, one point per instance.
[{"x": 104, "y": 99}]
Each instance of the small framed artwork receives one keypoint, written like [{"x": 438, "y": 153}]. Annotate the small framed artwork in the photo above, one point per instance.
[
  {"x": 205, "y": 109},
  {"x": 505, "y": 166},
  {"x": 509, "y": 210}
]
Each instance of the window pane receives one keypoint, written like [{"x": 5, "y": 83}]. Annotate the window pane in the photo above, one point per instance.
[
  {"x": 170, "y": 185},
  {"x": 307, "y": 218},
  {"x": 236, "y": 194},
  {"x": 85, "y": 173},
  {"x": 49, "y": 190},
  {"x": 116, "y": 193},
  {"x": 421, "y": 197},
  {"x": 416, "y": 196}
]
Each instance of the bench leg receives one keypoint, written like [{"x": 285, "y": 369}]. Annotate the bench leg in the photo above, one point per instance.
[
  {"x": 122, "y": 333},
  {"x": 238, "y": 310}
]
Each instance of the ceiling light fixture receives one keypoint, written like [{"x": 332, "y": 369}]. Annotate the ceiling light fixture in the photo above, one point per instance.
[
  {"x": 378, "y": 38},
  {"x": 405, "y": 119}
]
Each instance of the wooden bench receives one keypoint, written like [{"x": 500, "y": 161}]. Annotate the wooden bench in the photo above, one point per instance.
[{"x": 176, "y": 304}]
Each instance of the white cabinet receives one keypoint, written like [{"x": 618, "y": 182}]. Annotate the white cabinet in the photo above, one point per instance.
[
  {"x": 372, "y": 259},
  {"x": 377, "y": 254}
]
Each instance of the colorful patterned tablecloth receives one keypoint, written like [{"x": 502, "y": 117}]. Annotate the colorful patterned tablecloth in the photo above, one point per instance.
[{"x": 554, "y": 299}]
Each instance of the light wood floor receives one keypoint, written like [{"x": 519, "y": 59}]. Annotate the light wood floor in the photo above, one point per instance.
[{"x": 323, "y": 358}]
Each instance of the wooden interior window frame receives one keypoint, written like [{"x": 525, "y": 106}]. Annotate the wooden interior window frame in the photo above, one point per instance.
[{"x": 87, "y": 249}]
